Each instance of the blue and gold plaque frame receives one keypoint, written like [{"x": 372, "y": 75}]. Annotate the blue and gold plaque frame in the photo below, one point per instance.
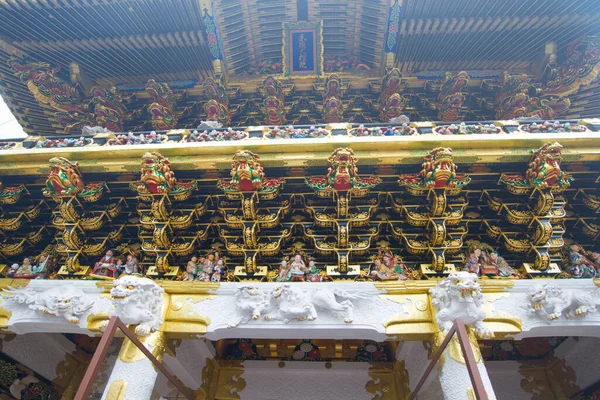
[{"x": 303, "y": 49}]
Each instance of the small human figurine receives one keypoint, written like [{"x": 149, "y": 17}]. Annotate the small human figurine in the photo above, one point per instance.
[
  {"x": 13, "y": 270},
  {"x": 43, "y": 262},
  {"x": 504, "y": 270},
  {"x": 191, "y": 270},
  {"x": 25, "y": 268},
  {"x": 285, "y": 272},
  {"x": 119, "y": 266},
  {"x": 472, "y": 265},
  {"x": 298, "y": 269},
  {"x": 208, "y": 266},
  {"x": 388, "y": 267},
  {"x": 218, "y": 272},
  {"x": 106, "y": 266},
  {"x": 313, "y": 274},
  {"x": 131, "y": 266},
  {"x": 579, "y": 265},
  {"x": 381, "y": 271}
]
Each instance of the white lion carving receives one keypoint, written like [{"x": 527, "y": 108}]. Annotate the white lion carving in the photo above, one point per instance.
[
  {"x": 66, "y": 302},
  {"x": 459, "y": 296},
  {"x": 287, "y": 303},
  {"x": 137, "y": 301},
  {"x": 551, "y": 302}
]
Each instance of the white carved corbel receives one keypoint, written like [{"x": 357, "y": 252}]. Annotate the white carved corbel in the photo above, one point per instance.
[
  {"x": 459, "y": 296},
  {"x": 137, "y": 301}
]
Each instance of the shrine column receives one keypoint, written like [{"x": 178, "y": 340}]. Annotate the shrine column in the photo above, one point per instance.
[
  {"x": 133, "y": 375},
  {"x": 453, "y": 374},
  {"x": 459, "y": 296}
]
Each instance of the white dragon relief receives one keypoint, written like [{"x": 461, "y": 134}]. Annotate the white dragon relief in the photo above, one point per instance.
[
  {"x": 66, "y": 302},
  {"x": 137, "y": 301},
  {"x": 286, "y": 303},
  {"x": 459, "y": 296},
  {"x": 550, "y": 302}
]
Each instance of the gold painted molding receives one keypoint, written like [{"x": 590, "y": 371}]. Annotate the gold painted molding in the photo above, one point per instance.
[
  {"x": 117, "y": 390},
  {"x": 387, "y": 150},
  {"x": 418, "y": 324},
  {"x": 389, "y": 381},
  {"x": 181, "y": 320},
  {"x": 548, "y": 379},
  {"x": 155, "y": 342},
  {"x": 222, "y": 380}
]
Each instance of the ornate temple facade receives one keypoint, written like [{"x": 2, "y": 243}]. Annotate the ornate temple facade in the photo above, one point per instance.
[{"x": 299, "y": 199}]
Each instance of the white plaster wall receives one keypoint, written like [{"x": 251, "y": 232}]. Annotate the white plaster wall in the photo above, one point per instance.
[
  {"x": 39, "y": 351},
  {"x": 583, "y": 356},
  {"x": 305, "y": 380},
  {"x": 191, "y": 358},
  {"x": 415, "y": 360},
  {"x": 506, "y": 380}
]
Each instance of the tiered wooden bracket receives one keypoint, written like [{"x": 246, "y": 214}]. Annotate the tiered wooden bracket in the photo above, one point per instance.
[
  {"x": 539, "y": 228},
  {"x": 440, "y": 215},
  {"x": 247, "y": 186},
  {"x": 341, "y": 185}
]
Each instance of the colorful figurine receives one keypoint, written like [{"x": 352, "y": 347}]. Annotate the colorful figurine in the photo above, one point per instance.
[
  {"x": 313, "y": 273},
  {"x": 389, "y": 267},
  {"x": 13, "y": 270},
  {"x": 579, "y": 265},
  {"x": 218, "y": 272},
  {"x": 131, "y": 266},
  {"x": 285, "y": 272},
  {"x": 207, "y": 266},
  {"x": 44, "y": 263},
  {"x": 191, "y": 269},
  {"x": 106, "y": 267},
  {"x": 484, "y": 260},
  {"x": 25, "y": 269},
  {"x": 298, "y": 269}
]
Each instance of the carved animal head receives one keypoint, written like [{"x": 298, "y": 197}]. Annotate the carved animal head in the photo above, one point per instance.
[
  {"x": 540, "y": 294},
  {"x": 248, "y": 294},
  {"x": 131, "y": 288},
  {"x": 64, "y": 178},
  {"x": 157, "y": 176},
  {"x": 343, "y": 165},
  {"x": 439, "y": 168},
  {"x": 458, "y": 285},
  {"x": 246, "y": 170},
  {"x": 544, "y": 167}
]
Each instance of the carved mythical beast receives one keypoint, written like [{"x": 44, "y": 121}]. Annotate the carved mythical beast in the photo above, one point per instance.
[
  {"x": 439, "y": 171},
  {"x": 286, "y": 303},
  {"x": 451, "y": 98},
  {"x": 343, "y": 175},
  {"x": 544, "y": 171},
  {"x": 162, "y": 108},
  {"x": 137, "y": 301},
  {"x": 66, "y": 302},
  {"x": 247, "y": 175},
  {"x": 549, "y": 301},
  {"x": 158, "y": 178},
  {"x": 65, "y": 179},
  {"x": 459, "y": 296}
]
